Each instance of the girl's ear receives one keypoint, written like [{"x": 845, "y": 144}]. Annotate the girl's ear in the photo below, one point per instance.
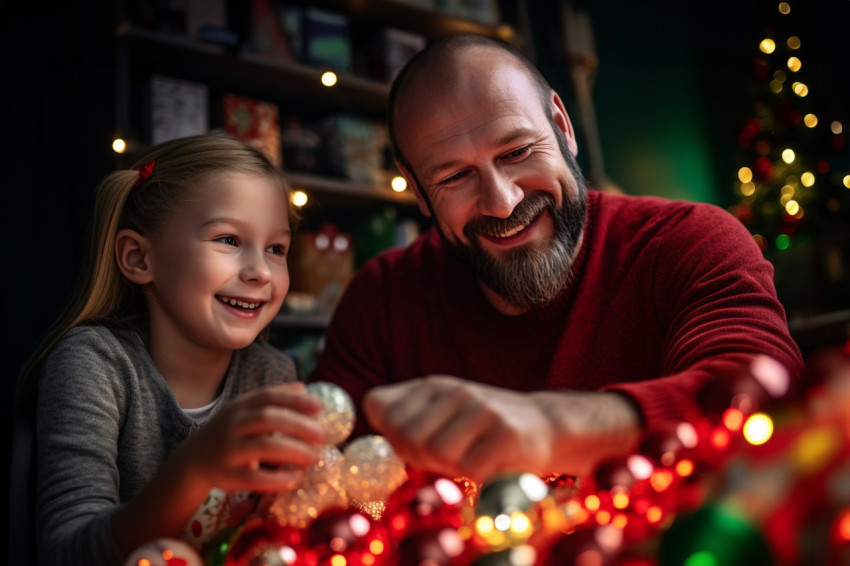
[{"x": 131, "y": 249}]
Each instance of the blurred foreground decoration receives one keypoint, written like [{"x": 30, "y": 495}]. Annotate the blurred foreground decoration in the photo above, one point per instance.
[{"x": 762, "y": 478}]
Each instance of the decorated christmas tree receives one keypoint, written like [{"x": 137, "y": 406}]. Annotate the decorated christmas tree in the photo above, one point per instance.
[{"x": 793, "y": 176}]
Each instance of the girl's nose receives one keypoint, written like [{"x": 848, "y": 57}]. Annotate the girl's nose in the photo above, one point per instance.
[{"x": 256, "y": 268}]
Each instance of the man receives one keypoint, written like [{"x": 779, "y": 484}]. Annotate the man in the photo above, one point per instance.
[{"x": 539, "y": 326}]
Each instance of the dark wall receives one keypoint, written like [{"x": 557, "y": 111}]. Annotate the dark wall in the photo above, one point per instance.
[{"x": 56, "y": 104}]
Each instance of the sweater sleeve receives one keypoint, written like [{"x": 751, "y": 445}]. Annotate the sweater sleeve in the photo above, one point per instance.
[
  {"x": 77, "y": 430},
  {"x": 713, "y": 293}
]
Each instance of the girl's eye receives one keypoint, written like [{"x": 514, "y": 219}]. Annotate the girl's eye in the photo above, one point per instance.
[
  {"x": 229, "y": 240},
  {"x": 277, "y": 249}
]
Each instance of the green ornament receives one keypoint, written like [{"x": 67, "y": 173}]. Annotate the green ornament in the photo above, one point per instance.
[{"x": 714, "y": 536}]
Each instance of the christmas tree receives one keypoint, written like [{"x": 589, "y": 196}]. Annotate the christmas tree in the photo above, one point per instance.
[{"x": 793, "y": 178}]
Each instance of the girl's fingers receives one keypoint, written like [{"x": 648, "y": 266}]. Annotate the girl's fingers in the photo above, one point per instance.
[
  {"x": 291, "y": 395},
  {"x": 271, "y": 419},
  {"x": 277, "y": 450}
]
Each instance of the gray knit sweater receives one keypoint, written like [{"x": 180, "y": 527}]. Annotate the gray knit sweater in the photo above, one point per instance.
[{"x": 106, "y": 423}]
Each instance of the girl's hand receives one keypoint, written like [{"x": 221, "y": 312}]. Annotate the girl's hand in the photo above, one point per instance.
[{"x": 259, "y": 442}]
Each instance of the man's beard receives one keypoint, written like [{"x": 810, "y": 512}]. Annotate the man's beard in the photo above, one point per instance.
[{"x": 530, "y": 275}]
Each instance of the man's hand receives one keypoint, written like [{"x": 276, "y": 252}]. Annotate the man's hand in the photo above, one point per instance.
[{"x": 461, "y": 428}]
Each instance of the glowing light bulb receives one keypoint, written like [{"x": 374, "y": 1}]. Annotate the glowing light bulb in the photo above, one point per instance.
[
  {"x": 684, "y": 468},
  {"x": 792, "y": 207},
  {"x": 800, "y": 89},
  {"x": 654, "y": 514},
  {"x": 836, "y": 127},
  {"x": 807, "y": 179},
  {"x": 810, "y": 120},
  {"x": 794, "y": 64},
  {"x": 758, "y": 429},
  {"x": 793, "y": 42},
  {"x": 784, "y": 8},
  {"x": 745, "y": 174},
  {"x": 398, "y": 184},
  {"x": 788, "y": 156},
  {"x": 484, "y": 525},
  {"x": 767, "y": 45},
  {"x": 702, "y": 558},
  {"x": 733, "y": 419},
  {"x": 119, "y": 145},
  {"x": 329, "y": 78},
  {"x": 748, "y": 189},
  {"x": 298, "y": 198},
  {"x": 620, "y": 500},
  {"x": 846, "y": 181}
]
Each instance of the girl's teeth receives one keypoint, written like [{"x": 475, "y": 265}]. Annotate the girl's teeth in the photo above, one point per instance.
[{"x": 241, "y": 304}]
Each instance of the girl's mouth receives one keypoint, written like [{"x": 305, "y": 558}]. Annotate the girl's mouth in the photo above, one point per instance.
[{"x": 239, "y": 304}]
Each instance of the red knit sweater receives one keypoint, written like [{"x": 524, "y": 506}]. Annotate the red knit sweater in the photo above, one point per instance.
[{"x": 663, "y": 295}]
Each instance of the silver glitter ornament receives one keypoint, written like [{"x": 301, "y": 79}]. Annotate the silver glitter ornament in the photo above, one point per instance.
[
  {"x": 320, "y": 490},
  {"x": 337, "y": 416},
  {"x": 372, "y": 469}
]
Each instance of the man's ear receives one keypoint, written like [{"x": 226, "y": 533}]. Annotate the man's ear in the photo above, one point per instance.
[
  {"x": 131, "y": 254},
  {"x": 562, "y": 119},
  {"x": 414, "y": 186}
]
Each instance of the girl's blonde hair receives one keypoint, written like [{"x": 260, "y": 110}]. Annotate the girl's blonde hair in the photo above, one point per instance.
[{"x": 128, "y": 199}]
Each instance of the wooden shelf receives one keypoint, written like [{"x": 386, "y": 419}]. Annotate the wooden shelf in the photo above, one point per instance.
[
  {"x": 423, "y": 21},
  {"x": 251, "y": 75},
  {"x": 349, "y": 189}
]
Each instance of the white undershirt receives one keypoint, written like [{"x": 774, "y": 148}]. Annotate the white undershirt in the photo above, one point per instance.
[{"x": 202, "y": 414}]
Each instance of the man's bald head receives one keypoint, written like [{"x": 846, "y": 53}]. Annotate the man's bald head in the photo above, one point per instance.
[{"x": 437, "y": 65}]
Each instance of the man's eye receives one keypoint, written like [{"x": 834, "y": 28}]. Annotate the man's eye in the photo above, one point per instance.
[
  {"x": 519, "y": 152},
  {"x": 457, "y": 176},
  {"x": 229, "y": 240}
]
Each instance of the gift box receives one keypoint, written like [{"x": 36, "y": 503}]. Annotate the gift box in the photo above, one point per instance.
[
  {"x": 178, "y": 108},
  {"x": 256, "y": 122},
  {"x": 355, "y": 148}
]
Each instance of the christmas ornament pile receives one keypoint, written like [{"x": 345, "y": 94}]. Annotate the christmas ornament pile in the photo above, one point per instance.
[{"x": 734, "y": 486}]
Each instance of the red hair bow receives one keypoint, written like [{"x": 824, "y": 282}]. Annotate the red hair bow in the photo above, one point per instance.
[{"x": 145, "y": 171}]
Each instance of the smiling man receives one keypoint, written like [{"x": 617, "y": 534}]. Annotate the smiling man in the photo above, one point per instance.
[{"x": 539, "y": 326}]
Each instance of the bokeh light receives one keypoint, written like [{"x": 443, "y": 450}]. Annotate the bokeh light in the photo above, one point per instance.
[{"x": 758, "y": 429}]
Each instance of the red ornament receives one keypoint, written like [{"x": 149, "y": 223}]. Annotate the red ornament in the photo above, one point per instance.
[
  {"x": 441, "y": 546},
  {"x": 424, "y": 501},
  {"x": 588, "y": 545},
  {"x": 260, "y": 536},
  {"x": 351, "y": 534}
]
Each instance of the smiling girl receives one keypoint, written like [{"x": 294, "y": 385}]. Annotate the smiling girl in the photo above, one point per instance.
[{"x": 152, "y": 390}]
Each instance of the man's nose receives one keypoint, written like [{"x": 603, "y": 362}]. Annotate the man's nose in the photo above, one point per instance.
[{"x": 499, "y": 193}]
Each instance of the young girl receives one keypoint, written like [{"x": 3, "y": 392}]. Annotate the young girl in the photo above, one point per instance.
[{"x": 152, "y": 391}]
